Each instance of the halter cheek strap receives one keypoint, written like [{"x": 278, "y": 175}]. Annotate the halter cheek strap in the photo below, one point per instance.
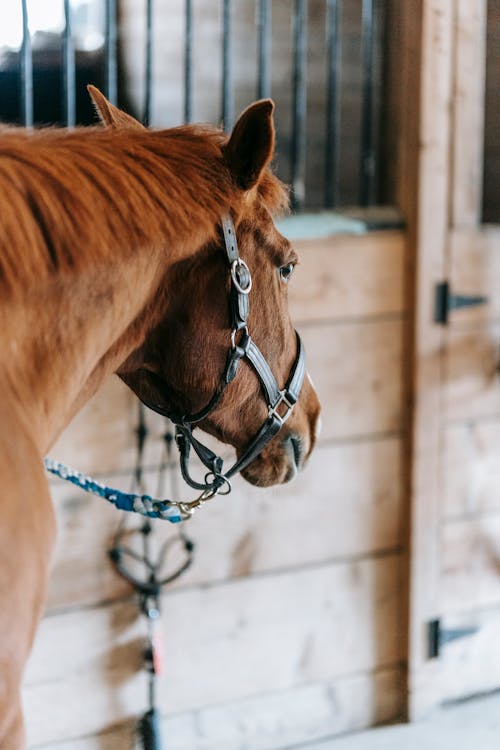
[
  {"x": 280, "y": 404},
  {"x": 280, "y": 401}
]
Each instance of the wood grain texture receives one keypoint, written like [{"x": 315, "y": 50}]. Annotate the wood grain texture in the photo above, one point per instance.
[
  {"x": 475, "y": 270},
  {"x": 223, "y": 643},
  {"x": 428, "y": 30},
  {"x": 471, "y": 564},
  {"x": 468, "y": 112},
  {"x": 471, "y": 469},
  {"x": 349, "y": 277},
  {"x": 472, "y": 382},
  {"x": 269, "y": 721},
  {"x": 357, "y": 372},
  {"x": 347, "y": 502}
]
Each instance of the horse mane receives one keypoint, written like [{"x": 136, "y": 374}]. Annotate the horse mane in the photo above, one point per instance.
[{"x": 71, "y": 198}]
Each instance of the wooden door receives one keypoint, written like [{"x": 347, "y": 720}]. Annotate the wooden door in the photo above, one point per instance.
[{"x": 454, "y": 477}]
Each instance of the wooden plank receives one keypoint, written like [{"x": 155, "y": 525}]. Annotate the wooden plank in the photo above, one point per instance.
[
  {"x": 101, "y": 437},
  {"x": 223, "y": 643},
  {"x": 471, "y": 469},
  {"x": 427, "y": 30},
  {"x": 351, "y": 495},
  {"x": 265, "y": 722},
  {"x": 349, "y": 277},
  {"x": 475, "y": 270},
  {"x": 471, "y": 564},
  {"x": 472, "y": 386},
  {"x": 471, "y": 665},
  {"x": 356, "y": 369},
  {"x": 468, "y": 112}
]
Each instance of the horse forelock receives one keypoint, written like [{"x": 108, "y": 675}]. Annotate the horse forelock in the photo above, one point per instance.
[
  {"x": 274, "y": 194},
  {"x": 70, "y": 199}
]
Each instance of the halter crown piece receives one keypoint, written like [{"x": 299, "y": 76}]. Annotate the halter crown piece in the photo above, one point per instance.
[{"x": 280, "y": 404}]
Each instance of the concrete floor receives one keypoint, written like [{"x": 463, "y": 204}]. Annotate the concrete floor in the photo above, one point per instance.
[{"x": 472, "y": 725}]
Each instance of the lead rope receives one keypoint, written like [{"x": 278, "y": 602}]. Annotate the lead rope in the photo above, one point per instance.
[{"x": 151, "y": 579}]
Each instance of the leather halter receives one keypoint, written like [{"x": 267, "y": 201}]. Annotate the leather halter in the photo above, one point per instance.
[{"x": 280, "y": 402}]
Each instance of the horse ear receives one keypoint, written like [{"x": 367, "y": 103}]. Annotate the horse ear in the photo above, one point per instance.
[
  {"x": 109, "y": 114},
  {"x": 251, "y": 145}
]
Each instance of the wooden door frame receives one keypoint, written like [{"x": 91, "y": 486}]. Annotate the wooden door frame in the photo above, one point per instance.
[{"x": 439, "y": 186}]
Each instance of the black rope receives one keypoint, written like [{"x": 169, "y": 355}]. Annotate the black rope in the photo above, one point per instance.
[{"x": 148, "y": 573}]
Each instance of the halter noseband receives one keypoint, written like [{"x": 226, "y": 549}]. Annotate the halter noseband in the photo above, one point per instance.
[{"x": 280, "y": 402}]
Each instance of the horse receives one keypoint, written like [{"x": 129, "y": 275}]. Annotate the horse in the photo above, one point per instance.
[{"x": 112, "y": 261}]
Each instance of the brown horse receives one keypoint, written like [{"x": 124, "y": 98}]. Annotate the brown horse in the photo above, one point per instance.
[{"x": 111, "y": 261}]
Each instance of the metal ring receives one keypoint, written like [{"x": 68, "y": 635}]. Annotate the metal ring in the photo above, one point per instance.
[
  {"x": 239, "y": 263},
  {"x": 228, "y": 488},
  {"x": 226, "y": 484},
  {"x": 234, "y": 332}
]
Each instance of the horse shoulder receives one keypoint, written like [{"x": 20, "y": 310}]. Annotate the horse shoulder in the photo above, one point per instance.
[{"x": 27, "y": 535}]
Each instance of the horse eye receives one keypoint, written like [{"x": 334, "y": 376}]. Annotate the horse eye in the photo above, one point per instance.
[{"x": 286, "y": 271}]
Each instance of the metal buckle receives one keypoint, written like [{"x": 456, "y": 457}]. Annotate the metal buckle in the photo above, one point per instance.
[
  {"x": 273, "y": 410},
  {"x": 236, "y": 264}
]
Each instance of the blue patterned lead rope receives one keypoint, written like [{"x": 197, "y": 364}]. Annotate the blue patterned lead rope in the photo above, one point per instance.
[{"x": 128, "y": 501}]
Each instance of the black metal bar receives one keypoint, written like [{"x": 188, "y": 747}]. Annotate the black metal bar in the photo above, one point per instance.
[
  {"x": 69, "y": 68},
  {"x": 298, "y": 143},
  {"x": 446, "y": 301},
  {"x": 367, "y": 151},
  {"x": 149, "y": 63},
  {"x": 111, "y": 47},
  {"x": 227, "y": 82},
  {"x": 437, "y": 636},
  {"x": 188, "y": 62},
  {"x": 334, "y": 63},
  {"x": 26, "y": 60},
  {"x": 264, "y": 49}
]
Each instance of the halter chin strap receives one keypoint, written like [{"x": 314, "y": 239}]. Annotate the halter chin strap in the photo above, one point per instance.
[{"x": 280, "y": 402}]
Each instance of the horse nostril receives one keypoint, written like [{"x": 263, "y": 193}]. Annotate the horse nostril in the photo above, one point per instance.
[{"x": 296, "y": 444}]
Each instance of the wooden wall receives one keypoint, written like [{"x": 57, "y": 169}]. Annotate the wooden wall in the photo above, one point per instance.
[{"x": 291, "y": 624}]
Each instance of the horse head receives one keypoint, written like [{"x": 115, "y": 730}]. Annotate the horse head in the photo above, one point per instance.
[{"x": 181, "y": 365}]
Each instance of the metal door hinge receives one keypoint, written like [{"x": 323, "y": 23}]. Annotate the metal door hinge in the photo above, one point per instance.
[
  {"x": 438, "y": 636},
  {"x": 446, "y": 301}
]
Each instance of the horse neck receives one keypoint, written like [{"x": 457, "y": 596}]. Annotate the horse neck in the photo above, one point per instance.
[{"x": 66, "y": 337}]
